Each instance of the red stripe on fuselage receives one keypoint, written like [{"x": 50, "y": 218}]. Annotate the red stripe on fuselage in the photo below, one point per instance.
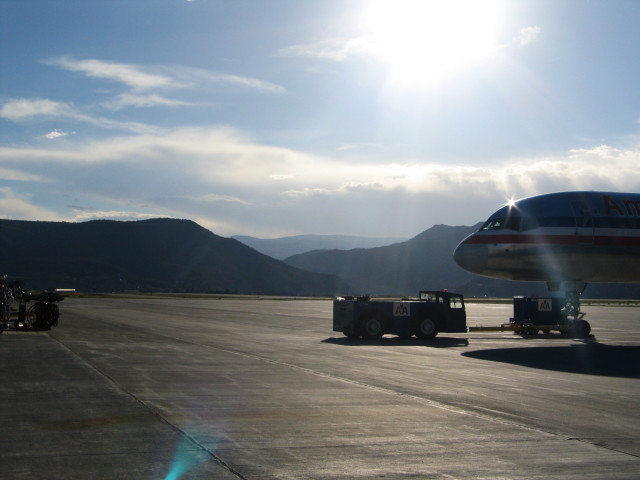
[{"x": 603, "y": 240}]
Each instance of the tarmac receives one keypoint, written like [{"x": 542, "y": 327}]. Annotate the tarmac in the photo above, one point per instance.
[{"x": 258, "y": 388}]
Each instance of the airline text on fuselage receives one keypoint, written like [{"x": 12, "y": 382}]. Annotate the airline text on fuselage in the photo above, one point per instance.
[{"x": 624, "y": 208}]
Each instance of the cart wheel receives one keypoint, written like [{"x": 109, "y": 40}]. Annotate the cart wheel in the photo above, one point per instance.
[
  {"x": 580, "y": 329},
  {"x": 30, "y": 320}
]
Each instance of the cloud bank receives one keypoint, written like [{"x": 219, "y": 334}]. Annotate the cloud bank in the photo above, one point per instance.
[{"x": 230, "y": 182}]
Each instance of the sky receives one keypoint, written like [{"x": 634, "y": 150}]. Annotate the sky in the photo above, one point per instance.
[{"x": 286, "y": 117}]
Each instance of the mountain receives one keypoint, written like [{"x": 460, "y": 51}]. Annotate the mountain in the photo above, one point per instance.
[
  {"x": 284, "y": 247},
  {"x": 425, "y": 262},
  {"x": 151, "y": 255}
]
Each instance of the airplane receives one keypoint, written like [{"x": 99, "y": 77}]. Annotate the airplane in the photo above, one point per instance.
[{"x": 566, "y": 239}]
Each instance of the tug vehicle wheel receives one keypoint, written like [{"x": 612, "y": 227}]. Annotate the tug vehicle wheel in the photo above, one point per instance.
[
  {"x": 426, "y": 327},
  {"x": 371, "y": 328}
]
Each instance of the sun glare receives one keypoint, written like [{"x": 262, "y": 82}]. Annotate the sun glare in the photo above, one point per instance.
[{"x": 425, "y": 41}]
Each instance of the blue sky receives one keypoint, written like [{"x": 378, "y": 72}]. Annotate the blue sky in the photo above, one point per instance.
[{"x": 274, "y": 118}]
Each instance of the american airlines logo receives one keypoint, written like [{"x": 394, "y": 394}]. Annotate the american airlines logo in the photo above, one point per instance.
[
  {"x": 401, "y": 309},
  {"x": 544, "y": 304},
  {"x": 624, "y": 208}
]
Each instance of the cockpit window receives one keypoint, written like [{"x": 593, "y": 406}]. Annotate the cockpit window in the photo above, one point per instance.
[
  {"x": 506, "y": 218},
  {"x": 493, "y": 224},
  {"x": 512, "y": 222}
]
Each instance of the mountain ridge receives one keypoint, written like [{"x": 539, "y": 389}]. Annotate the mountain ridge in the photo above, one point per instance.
[
  {"x": 283, "y": 247},
  {"x": 396, "y": 269},
  {"x": 160, "y": 254},
  {"x": 180, "y": 256}
]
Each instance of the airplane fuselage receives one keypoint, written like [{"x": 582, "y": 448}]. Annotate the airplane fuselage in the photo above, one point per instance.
[{"x": 569, "y": 236}]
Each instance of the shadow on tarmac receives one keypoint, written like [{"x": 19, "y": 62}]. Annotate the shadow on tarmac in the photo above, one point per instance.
[
  {"x": 589, "y": 358},
  {"x": 439, "y": 342}
]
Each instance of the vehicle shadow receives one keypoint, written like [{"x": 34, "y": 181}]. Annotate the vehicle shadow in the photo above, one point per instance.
[
  {"x": 589, "y": 358},
  {"x": 438, "y": 342}
]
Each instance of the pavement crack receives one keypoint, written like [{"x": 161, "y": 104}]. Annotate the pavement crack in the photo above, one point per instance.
[{"x": 153, "y": 411}]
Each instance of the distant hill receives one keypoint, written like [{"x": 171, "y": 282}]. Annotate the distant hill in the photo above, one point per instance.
[
  {"x": 284, "y": 247},
  {"x": 150, "y": 255},
  {"x": 423, "y": 262},
  {"x": 426, "y": 262}
]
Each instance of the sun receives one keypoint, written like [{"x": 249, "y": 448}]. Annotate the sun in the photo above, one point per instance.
[{"x": 424, "y": 42}]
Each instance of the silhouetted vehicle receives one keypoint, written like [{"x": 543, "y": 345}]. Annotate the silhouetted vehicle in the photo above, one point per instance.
[
  {"x": 44, "y": 314},
  {"x": 431, "y": 312}
]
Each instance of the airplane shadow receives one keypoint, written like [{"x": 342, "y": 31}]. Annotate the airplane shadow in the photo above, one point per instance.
[
  {"x": 439, "y": 342},
  {"x": 590, "y": 358}
]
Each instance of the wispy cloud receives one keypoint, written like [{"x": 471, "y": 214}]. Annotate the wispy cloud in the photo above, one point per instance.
[
  {"x": 25, "y": 109},
  {"x": 281, "y": 176},
  {"x": 134, "y": 76},
  {"x": 17, "y": 206},
  {"x": 310, "y": 192},
  {"x": 356, "y": 146},
  {"x": 18, "y": 174},
  {"x": 337, "y": 49},
  {"x": 83, "y": 215},
  {"x": 146, "y": 87},
  {"x": 527, "y": 36},
  {"x": 216, "y": 198},
  {"x": 150, "y": 100},
  {"x": 199, "y": 76},
  {"x": 146, "y": 78},
  {"x": 55, "y": 133}
]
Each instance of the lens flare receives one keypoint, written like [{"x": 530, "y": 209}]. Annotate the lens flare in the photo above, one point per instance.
[{"x": 184, "y": 459}]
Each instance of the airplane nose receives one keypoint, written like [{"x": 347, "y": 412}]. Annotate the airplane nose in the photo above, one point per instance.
[{"x": 471, "y": 257}]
